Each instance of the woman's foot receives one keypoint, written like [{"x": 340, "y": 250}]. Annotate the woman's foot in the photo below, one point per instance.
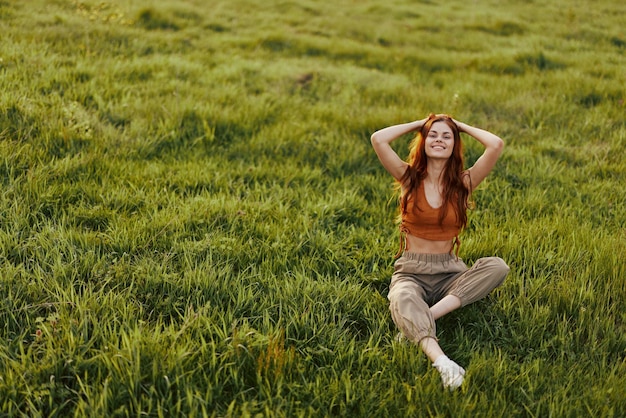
[{"x": 451, "y": 373}]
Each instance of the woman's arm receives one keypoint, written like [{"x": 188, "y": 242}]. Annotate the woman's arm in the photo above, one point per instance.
[
  {"x": 381, "y": 141},
  {"x": 493, "y": 148}
]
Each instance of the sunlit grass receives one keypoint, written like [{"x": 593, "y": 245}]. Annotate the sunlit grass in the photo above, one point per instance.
[{"x": 194, "y": 222}]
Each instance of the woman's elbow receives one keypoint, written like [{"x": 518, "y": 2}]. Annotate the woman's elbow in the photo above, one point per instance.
[
  {"x": 498, "y": 145},
  {"x": 375, "y": 139}
]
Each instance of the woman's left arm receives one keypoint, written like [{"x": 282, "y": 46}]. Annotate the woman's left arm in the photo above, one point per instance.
[{"x": 493, "y": 148}]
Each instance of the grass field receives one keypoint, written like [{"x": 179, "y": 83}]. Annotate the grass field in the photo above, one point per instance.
[{"x": 193, "y": 221}]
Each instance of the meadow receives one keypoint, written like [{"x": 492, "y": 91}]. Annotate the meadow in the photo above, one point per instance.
[{"x": 193, "y": 221}]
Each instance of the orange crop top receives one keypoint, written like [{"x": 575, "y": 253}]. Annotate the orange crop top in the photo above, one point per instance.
[{"x": 423, "y": 221}]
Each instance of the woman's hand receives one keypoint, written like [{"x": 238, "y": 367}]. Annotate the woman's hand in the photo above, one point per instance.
[{"x": 459, "y": 125}]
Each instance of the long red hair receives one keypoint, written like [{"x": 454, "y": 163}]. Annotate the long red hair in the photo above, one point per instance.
[{"x": 454, "y": 189}]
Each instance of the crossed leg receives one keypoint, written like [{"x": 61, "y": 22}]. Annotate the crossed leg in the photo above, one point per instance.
[{"x": 429, "y": 345}]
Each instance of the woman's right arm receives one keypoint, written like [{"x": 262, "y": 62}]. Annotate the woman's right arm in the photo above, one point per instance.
[{"x": 381, "y": 141}]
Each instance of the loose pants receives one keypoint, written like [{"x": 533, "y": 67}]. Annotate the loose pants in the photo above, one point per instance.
[{"x": 421, "y": 280}]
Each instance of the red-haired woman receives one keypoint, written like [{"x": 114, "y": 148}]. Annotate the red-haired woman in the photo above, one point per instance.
[{"x": 429, "y": 279}]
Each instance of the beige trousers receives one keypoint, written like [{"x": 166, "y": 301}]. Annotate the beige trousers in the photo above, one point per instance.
[{"x": 421, "y": 280}]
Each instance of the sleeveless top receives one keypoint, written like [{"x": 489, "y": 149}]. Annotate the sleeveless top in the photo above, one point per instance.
[{"x": 422, "y": 220}]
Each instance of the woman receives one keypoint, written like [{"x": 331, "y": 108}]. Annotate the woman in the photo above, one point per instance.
[{"x": 429, "y": 279}]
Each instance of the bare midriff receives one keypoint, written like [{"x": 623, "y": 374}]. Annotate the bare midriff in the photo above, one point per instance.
[{"x": 425, "y": 246}]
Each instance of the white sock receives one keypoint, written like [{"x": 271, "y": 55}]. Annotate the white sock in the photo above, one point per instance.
[
  {"x": 440, "y": 359},
  {"x": 451, "y": 373}
]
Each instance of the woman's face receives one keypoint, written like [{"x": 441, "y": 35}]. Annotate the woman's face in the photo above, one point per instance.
[{"x": 439, "y": 141}]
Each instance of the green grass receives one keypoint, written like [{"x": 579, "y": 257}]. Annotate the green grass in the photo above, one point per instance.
[{"x": 193, "y": 222}]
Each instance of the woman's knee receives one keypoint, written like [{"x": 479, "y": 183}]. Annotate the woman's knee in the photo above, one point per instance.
[
  {"x": 403, "y": 299},
  {"x": 407, "y": 302},
  {"x": 501, "y": 266},
  {"x": 497, "y": 265}
]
